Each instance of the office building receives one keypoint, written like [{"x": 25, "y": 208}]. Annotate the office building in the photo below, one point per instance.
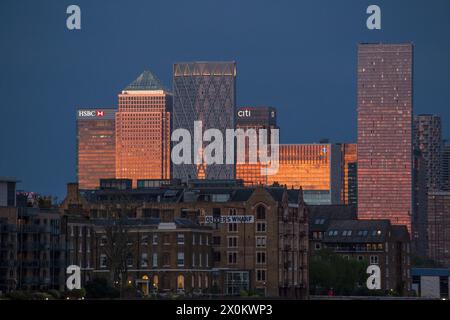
[
  {"x": 206, "y": 92},
  {"x": 316, "y": 168},
  {"x": 96, "y": 146},
  {"x": 143, "y": 124},
  {"x": 428, "y": 140},
  {"x": 349, "y": 192},
  {"x": 445, "y": 168},
  {"x": 7, "y": 192},
  {"x": 385, "y": 110},
  {"x": 439, "y": 227},
  {"x": 255, "y": 118}
]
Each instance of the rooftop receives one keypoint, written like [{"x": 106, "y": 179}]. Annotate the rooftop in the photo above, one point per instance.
[{"x": 146, "y": 81}]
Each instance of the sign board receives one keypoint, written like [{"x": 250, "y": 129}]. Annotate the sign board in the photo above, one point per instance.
[{"x": 230, "y": 219}]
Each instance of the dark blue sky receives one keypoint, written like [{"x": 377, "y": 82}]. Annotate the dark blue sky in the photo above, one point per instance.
[{"x": 299, "y": 56}]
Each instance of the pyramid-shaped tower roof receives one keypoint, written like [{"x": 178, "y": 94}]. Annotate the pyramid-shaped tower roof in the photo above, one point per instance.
[{"x": 146, "y": 81}]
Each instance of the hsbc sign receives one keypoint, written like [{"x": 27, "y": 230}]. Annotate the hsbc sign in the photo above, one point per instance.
[{"x": 90, "y": 113}]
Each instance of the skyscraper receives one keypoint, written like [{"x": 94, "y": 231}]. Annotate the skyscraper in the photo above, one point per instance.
[
  {"x": 204, "y": 91},
  {"x": 445, "y": 168},
  {"x": 349, "y": 163},
  {"x": 428, "y": 140},
  {"x": 254, "y": 118},
  {"x": 143, "y": 124},
  {"x": 385, "y": 132},
  {"x": 96, "y": 143}
]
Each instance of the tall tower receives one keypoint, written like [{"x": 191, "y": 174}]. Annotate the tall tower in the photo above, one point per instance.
[
  {"x": 428, "y": 140},
  {"x": 143, "y": 130},
  {"x": 204, "y": 91},
  {"x": 385, "y": 96},
  {"x": 254, "y": 118},
  {"x": 96, "y": 143}
]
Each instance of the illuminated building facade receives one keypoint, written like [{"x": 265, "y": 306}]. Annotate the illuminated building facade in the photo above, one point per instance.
[
  {"x": 204, "y": 91},
  {"x": 428, "y": 139},
  {"x": 143, "y": 124},
  {"x": 254, "y": 118},
  {"x": 445, "y": 168},
  {"x": 96, "y": 142},
  {"x": 316, "y": 168},
  {"x": 349, "y": 174},
  {"x": 385, "y": 132},
  {"x": 439, "y": 227}
]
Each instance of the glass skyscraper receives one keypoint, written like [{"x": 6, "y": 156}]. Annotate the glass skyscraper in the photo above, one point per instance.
[
  {"x": 254, "y": 118},
  {"x": 95, "y": 146},
  {"x": 204, "y": 91},
  {"x": 385, "y": 109},
  {"x": 143, "y": 130}
]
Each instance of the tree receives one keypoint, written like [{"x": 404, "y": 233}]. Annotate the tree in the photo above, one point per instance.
[
  {"x": 116, "y": 231},
  {"x": 329, "y": 270},
  {"x": 99, "y": 288}
]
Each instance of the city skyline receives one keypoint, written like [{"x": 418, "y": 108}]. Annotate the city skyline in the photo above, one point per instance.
[{"x": 296, "y": 97}]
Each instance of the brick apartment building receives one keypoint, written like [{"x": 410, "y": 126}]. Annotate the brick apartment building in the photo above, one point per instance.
[
  {"x": 373, "y": 241},
  {"x": 175, "y": 245}
]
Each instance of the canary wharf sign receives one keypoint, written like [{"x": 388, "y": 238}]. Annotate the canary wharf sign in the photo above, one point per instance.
[{"x": 230, "y": 219}]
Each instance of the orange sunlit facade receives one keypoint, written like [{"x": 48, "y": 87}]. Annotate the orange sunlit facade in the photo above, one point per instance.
[
  {"x": 143, "y": 124},
  {"x": 385, "y": 112},
  {"x": 314, "y": 167},
  {"x": 254, "y": 118},
  {"x": 95, "y": 146}
]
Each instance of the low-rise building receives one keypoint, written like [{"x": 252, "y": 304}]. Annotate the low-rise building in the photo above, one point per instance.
[
  {"x": 217, "y": 237},
  {"x": 375, "y": 242}
]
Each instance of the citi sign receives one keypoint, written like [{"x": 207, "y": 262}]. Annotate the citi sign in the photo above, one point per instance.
[{"x": 91, "y": 113}]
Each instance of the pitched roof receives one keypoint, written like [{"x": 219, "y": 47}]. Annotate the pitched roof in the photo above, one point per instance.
[{"x": 146, "y": 81}]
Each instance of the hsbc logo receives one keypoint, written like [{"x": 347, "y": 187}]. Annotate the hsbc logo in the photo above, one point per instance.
[{"x": 90, "y": 113}]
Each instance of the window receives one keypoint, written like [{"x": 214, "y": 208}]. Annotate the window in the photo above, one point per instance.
[
  {"x": 144, "y": 240},
  {"x": 260, "y": 275},
  {"x": 261, "y": 212},
  {"x": 180, "y": 282},
  {"x": 166, "y": 259},
  {"x": 103, "y": 241},
  {"x": 261, "y": 242},
  {"x": 155, "y": 239},
  {"x": 232, "y": 257},
  {"x": 180, "y": 259},
  {"x": 193, "y": 238},
  {"x": 200, "y": 240},
  {"x": 216, "y": 212},
  {"x": 166, "y": 239},
  {"x": 193, "y": 259},
  {"x": 199, "y": 259},
  {"x": 129, "y": 260},
  {"x": 216, "y": 241},
  {"x": 144, "y": 260},
  {"x": 360, "y": 258},
  {"x": 261, "y": 227},
  {"x": 232, "y": 242},
  {"x": 216, "y": 256},
  {"x": 260, "y": 257},
  {"x": 206, "y": 260},
  {"x": 317, "y": 246},
  {"x": 232, "y": 227},
  {"x": 103, "y": 260},
  {"x": 155, "y": 260},
  {"x": 180, "y": 238},
  {"x": 373, "y": 259}
]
